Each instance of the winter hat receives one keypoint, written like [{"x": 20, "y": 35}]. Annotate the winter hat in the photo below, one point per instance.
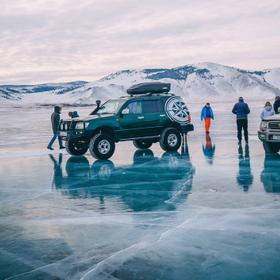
[{"x": 268, "y": 104}]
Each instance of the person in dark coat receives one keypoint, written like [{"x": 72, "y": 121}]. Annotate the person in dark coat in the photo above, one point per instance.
[
  {"x": 276, "y": 105},
  {"x": 241, "y": 110},
  {"x": 55, "y": 120}
]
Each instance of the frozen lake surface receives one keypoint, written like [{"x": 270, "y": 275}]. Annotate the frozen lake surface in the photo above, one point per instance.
[{"x": 211, "y": 211}]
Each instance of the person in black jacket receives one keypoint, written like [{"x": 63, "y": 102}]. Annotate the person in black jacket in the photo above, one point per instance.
[
  {"x": 276, "y": 105},
  {"x": 55, "y": 119},
  {"x": 241, "y": 110}
]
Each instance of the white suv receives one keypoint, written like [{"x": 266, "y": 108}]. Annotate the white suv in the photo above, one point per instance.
[{"x": 269, "y": 133}]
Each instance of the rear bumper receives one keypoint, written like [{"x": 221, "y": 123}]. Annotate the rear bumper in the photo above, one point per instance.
[{"x": 187, "y": 128}]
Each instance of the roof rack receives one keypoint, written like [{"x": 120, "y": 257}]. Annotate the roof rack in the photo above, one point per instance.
[{"x": 149, "y": 89}]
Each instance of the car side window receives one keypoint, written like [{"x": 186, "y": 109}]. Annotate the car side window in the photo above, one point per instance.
[
  {"x": 152, "y": 106},
  {"x": 134, "y": 107}
]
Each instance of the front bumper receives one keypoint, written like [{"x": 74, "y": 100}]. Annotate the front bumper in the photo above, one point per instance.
[
  {"x": 269, "y": 136},
  {"x": 74, "y": 135}
]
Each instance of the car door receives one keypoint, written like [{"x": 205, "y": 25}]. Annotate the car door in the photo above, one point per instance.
[
  {"x": 130, "y": 120},
  {"x": 153, "y": 112}
]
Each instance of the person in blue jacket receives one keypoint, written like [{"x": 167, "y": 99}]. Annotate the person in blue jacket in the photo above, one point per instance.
[
  {"x": 241, "y": 110},
  {"x": 206, "y": 115},
  {"x": 73, "y": 114}
]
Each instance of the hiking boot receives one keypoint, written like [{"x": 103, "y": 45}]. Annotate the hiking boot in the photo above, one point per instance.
[
  {"x": 50, "y": 148},
  {"x": 61, "y": 147}
]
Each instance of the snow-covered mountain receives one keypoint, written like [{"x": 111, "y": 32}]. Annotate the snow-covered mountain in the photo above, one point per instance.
[
  {"x": 193, "y": 82},
  {"x": 18, "y": 92}
]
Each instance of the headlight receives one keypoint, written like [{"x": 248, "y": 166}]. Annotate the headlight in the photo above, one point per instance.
[
  {"x": 79, "y": 125},
  {"x": 264, "y": 125}
]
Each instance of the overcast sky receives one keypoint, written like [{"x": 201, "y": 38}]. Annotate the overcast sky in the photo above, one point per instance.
[{"x": 65, "y": 40}]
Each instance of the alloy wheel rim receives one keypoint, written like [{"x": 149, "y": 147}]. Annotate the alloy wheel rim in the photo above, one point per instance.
[
  {"x": 104, "y": 147},
  {"x": 172, "y": 140}
]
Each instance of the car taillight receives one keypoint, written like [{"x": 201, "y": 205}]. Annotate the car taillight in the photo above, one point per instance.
[{"x": 189, "y": 118}]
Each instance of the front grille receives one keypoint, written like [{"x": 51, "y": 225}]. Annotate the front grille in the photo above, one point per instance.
[
  {"x": 65, "y": 125},
  {"x": 274, "y": 125}
]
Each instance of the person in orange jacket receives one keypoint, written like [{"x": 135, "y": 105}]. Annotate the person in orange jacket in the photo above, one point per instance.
[{"x": 206, "y": 115}]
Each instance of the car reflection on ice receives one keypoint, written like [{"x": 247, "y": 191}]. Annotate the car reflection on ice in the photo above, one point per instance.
[
  {"x": 270, "y": 176},
  {"x": 150, "y": 183}
]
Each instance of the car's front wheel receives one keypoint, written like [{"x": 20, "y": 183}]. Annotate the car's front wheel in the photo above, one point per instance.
[
  {"x": 271, "y": 147},
  {"x": 76, "y": 148},
  {"x": 170, "y": 139},
  {"x": 143, "y": 143},
  {"x": 102, "y": 146}
]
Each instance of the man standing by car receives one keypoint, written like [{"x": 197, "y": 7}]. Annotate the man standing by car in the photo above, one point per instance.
[
  {"x": 276, "y": 105},
  {"x": 55, "y": 120},
  {"x": 241, "y": 110}
]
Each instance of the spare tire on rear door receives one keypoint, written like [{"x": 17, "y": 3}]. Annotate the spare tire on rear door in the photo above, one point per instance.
[{"x": 170, "y": 139}]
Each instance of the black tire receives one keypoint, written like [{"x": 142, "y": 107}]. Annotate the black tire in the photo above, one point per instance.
[
  {"x": 143, "y": 143},
  {"x": 76, "y": 149},
  {"x": 102, "y": 146},
  {"x": 271, "y": 148},
  {"x": 170, "y": 139}
]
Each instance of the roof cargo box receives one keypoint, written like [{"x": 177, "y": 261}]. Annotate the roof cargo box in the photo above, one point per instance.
[{"x": 145, "y": 88}]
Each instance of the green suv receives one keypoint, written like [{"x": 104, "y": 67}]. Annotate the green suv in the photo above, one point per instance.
[{"x": 148, "y": 114}]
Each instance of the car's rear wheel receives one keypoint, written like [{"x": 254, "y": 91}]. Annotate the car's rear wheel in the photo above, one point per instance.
[
  {"x": 170, "y": 139},
  {"x": 76, "y": 148},
  {"x": 143, "y": 143},
  {"x": 102, "y": 146},
  {"x": 271, "y": 148}
]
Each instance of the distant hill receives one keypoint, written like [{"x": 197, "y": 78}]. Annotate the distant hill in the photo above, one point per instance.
[
  {"x": 17, "y": 92},
  {"x": 193, "y": 82}
]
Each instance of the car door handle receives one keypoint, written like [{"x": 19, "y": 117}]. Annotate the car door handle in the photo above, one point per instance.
[{"x": 140, "y": 118}]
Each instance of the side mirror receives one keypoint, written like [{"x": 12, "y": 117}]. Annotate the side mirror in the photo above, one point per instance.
[{"x": 125, "y": 111}]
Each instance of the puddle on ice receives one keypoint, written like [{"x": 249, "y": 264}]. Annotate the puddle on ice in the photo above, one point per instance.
[{"x": 208, "y": 212}]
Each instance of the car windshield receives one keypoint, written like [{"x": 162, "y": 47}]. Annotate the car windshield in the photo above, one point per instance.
[{"x": 110, "y": 107}]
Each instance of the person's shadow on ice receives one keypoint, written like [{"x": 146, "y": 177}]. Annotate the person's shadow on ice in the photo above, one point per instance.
[
  {"x": 244, "y": 177},
  {"x": 209, "y": 149}
]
